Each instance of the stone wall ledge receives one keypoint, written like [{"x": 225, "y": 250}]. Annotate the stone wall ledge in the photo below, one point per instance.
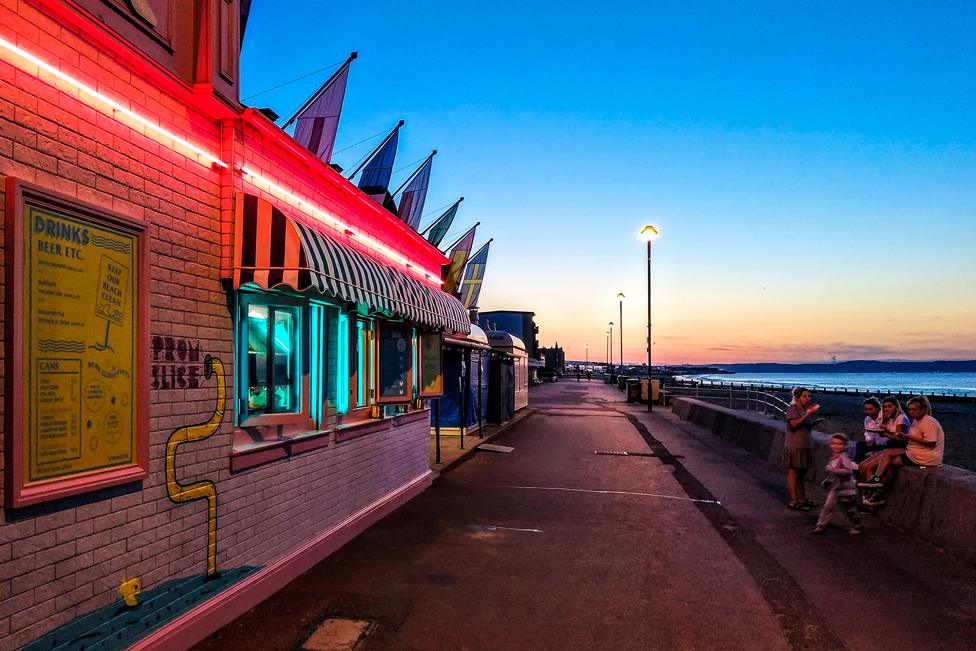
[{"x": 937, "y": 505}]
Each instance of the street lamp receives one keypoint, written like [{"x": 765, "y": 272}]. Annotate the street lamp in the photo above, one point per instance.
[
  {"x": 587, "y": 357},
  {"x": 649, "y": 233},
  {"x": 611, "y": 348},
  {"x": 607, "y": 333},
  {"x": 620, "y": 323}
]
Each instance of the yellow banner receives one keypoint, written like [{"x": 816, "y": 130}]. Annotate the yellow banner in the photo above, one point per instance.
[{"x": 80, "y": 297}]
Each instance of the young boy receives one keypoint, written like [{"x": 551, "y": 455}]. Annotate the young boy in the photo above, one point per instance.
[{"x": 841, "y": 487}]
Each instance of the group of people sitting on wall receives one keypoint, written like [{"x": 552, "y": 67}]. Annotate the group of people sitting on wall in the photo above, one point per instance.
[{"x": 891, "y": 440}]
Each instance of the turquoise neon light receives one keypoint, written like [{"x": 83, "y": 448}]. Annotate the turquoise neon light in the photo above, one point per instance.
[
  {"x": 315, "y": 375},
  {"x": 342, "y": 366}
]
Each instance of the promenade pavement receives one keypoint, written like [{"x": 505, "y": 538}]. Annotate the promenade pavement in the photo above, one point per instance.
[{"x": 685, "y": 544}]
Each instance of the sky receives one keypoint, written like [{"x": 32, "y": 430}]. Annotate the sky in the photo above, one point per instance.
[{"x": 811, "y": 166}]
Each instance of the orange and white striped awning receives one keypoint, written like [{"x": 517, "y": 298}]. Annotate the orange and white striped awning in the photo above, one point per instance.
[{"x": 271, "y": 250}]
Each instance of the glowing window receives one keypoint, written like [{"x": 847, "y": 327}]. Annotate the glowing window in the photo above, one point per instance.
[
  {"x": 364, "y": 363},
  {"x": 271, "y": 334}
]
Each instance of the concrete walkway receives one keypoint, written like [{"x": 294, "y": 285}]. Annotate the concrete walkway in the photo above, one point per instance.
[{"x": 686, "y": 544}]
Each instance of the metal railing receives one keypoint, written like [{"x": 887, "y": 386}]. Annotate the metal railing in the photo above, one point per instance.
[
  {"x": 733, "y": 397},
  {"x": 944, "y": 394}
]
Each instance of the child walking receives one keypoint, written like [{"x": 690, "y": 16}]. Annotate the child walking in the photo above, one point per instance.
[{"x": 841, "y": 486}]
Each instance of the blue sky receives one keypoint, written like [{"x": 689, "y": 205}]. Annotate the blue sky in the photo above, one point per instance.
[{"x": 811, "y": 166}]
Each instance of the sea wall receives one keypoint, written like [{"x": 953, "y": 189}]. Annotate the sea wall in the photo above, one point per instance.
[{"x": 938, "y": 505}]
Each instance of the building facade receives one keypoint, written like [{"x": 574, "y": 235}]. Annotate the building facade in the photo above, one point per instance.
[
  {"x": 555, "y": 358},
  {"x": 520, "y": 324},
  {"x": 213, "y": 361}
]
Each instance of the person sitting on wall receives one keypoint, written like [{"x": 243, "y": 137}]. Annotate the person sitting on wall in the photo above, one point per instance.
[
  {"x": 874, "y": 434},
  {"x": 894, "y": 422},
  {"x": 925, "y": 449}
]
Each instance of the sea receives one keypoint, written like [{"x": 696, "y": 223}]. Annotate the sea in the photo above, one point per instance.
[{"x": 958, "y": 384}]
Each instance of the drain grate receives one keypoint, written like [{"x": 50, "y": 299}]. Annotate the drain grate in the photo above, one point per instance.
[{"x": 337, "y": 634}]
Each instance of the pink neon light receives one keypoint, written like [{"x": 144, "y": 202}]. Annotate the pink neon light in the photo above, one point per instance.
[
  {"x": 339, "y": 226},
  {"x": 111, "y": 103}
]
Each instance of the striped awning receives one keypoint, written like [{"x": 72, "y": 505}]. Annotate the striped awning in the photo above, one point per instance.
[{"x": 271, "y": 250}]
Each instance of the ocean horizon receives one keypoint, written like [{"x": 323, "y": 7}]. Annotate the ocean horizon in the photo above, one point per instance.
[{"x": 963, "y": 384}]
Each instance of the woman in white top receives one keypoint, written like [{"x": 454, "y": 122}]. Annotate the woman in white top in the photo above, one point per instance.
[
  {"x": 874, "y": 436},
  {"x": 894, "y": 422}
]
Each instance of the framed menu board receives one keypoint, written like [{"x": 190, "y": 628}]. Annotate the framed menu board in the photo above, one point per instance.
[
  {"x": 430, "y": 365},
  {"x": 393, "y": 363},
  {"x": 77, "y": 353}
]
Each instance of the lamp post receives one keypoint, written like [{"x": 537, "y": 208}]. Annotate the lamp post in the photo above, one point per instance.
[
  {"x": 649, "y": 233},
  {"x": 620, "y": 324},
  {"x": 608, "y": 350},
  {"x": 587, "y": 357},
  {"x": 611, "y": 351}
]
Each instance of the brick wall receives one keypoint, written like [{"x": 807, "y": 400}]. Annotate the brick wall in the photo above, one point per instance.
[{"x": 61, "y": 560}]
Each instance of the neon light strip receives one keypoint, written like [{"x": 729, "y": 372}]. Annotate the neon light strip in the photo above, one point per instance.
[
  {"x": 342, "y": 365},
  {"x": 340, "y": 226},
  {"x": 88, "y": 90}
]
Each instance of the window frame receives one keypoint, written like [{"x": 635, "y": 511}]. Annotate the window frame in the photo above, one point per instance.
[{"x": 246, "y": 417}]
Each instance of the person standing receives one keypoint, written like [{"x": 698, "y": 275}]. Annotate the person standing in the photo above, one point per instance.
[
  {"x": 797, "y": 450},
  {"x": 840, "y": 486}
]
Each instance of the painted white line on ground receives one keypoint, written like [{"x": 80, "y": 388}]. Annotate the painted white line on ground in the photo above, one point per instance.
[{"x": 600, "y": 492}]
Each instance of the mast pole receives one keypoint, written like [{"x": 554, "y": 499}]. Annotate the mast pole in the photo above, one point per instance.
[
  {"x": 378, "y": 148},
  {"x": 415, "y": 172},
  {"x": 322, "y": 89}
]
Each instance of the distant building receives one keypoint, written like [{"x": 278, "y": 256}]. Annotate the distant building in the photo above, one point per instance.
[
  {"x": 555, "y": 358},
  {"x": 520, "y": 324}
]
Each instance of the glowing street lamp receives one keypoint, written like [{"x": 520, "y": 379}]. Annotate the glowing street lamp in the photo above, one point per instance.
[
  {"x": 649, "y": 233},
  {"x": 611, "y": 347}
]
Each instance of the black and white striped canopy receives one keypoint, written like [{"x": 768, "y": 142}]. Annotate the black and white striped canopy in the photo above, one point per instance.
[{"x": 272, "y": 250}]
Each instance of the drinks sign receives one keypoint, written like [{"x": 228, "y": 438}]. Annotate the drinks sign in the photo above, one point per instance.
[{"x": 78, "y": 351}]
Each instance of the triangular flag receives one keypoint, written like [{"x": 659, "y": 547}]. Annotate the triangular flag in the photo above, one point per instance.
[
  {"x": 318, "y": 119},
  {"x": 437, "y": 230},
  {"x": 414, "y": 195},
  {"x": 474, "y": 274},
  {"x": 458, "y": 258},
  {"x": 375, "y": 180}
]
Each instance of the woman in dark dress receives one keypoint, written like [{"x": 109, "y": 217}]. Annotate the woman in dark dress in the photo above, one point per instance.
[{"x": 797, "y": 450}]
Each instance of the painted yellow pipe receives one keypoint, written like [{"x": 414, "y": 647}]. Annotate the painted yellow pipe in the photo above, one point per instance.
[{"x": 201, "y": 489}]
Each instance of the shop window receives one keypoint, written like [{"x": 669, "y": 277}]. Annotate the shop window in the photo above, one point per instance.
[
  {"x": 364, "y": 363},
  {"x": 272, "y": 336}
]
